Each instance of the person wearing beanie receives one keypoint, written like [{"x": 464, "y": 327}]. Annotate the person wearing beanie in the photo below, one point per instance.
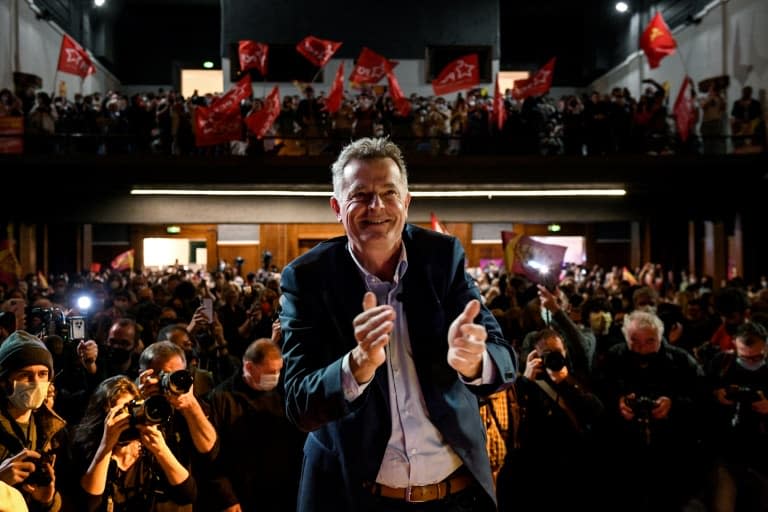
[{"x": 29, "y": 430}]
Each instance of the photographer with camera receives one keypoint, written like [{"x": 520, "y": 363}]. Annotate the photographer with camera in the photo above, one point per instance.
[
  {"x": 653, "y": 393},
  {"x": 555, "y": 431},
  {"x": 191, "y": 436},
  {"x": 739, "y": 435},
  {"x": 123, "y": 456},
  {"x": 31, "y": 434}
]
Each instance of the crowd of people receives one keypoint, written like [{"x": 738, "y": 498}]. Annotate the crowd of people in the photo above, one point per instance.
[
  {"x": 378, "y": 372},
  {"x": 596, "y": 123}
]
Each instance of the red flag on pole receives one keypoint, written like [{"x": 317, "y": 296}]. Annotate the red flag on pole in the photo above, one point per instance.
[
  {"x": 538, "y": 84},
  {"x": 402, "y": 104},
  {"x": 657, "y": 41},
  {"x": 123, "y": 261},
  {"x": 317, "y": 51},
  {"x": 336, "y": 94},
  {"x": 253, "y": 55},
  {"x": 231, "y": 100},
  {"x": 370, "y": 67},
  {"x": 539, "y": 262},
  {"x": 437, "y": 225},
  {"x": 460, "y": 74},
  {"x": 74, "y": 59},
  {"x": 261, "y": 121},
  {"x": 214, "y": 126},
  {"x": 685, "y": 110},
  {"x": 499, "y": 110}
]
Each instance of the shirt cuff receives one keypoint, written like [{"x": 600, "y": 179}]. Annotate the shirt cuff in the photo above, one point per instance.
[
  {"x": 352, "y": 390},
  {"x": 487, "y": 376}
]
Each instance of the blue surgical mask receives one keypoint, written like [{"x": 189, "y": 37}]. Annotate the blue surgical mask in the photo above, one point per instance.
[{"x": 750, "y": 365}]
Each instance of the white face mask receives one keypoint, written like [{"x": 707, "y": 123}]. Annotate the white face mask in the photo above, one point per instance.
[
  {"x": 268, "y": 381},
  {"x": 28, "y": 396}
]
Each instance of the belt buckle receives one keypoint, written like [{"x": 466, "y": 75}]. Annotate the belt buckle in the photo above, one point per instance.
[{"x": 410, "y": 498}]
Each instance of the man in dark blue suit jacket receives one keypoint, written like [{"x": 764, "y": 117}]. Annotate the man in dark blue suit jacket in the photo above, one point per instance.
[{"x": 387, "y": 347}]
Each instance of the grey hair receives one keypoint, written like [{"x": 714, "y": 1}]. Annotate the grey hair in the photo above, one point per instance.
[
  {"x": 366, "y": 149},
  {"x": 643, "y": 319}
]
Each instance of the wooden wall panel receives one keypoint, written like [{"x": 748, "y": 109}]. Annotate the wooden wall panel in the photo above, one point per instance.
[{"x": 249, "y": 252}]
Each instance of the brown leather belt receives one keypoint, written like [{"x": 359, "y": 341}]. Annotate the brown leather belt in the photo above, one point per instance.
[{"x": 422, "y": 493}]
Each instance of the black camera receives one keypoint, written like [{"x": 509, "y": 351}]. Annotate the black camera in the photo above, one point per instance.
[
  {"x": 41, "y": 476},
  {"x": 743, "y": 396},
  {"x": 553, "y": 361},
  {"x": 149, "y": 411},
  {"x": 44, "y": 322},
  {"x": 177, "y": 383},
  {"x": 642, "y": 406}
]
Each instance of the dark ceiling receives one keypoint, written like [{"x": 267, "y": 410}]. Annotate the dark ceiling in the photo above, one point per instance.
[{"x": 588, "y": 38}]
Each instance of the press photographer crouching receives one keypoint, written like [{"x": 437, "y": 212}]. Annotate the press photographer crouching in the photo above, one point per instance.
[
  {"x": 122, "y": 453},
  {"x": 31, "y": 434},
  {"x": 739, "y": 383},
  {"x": 190, "y": 434}
]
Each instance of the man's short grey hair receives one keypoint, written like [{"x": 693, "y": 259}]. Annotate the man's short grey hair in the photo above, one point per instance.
[
  {"x": 366, "y": 149},
  {"x": 643, "y": 319}
]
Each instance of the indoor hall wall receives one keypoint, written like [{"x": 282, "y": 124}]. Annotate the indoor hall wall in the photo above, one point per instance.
[
  {"x": 704, "y": 53},
  {"x": 39, "y": 45}
]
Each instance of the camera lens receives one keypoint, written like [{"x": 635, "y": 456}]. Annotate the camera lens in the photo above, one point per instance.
[
  {"x": 157, "y": 409},
  {"x": 554, "y": 361},
  {"x": 178, "y": 382}
]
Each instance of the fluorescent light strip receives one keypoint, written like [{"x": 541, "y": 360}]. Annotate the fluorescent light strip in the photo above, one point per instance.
[{"x": 554, "y": 192}]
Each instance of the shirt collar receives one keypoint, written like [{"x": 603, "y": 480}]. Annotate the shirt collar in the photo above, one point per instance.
[{"x": 402, "y": 266}]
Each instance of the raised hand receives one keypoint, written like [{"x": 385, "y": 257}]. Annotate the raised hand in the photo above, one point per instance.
[
  {"x": 372, "y": 331},
  {"x": 466, "y": 342}
]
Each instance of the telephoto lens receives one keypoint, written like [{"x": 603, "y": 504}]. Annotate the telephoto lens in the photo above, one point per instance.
[
  {"x": 150, "y": 411},
  {"x": 553, "y": 361}
]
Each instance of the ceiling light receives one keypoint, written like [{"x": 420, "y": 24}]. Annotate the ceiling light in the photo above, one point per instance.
[
  {"x": 622, "y": 7},
  {"x": 98, "y": 3},
  {"x": 208, "y": 64}
]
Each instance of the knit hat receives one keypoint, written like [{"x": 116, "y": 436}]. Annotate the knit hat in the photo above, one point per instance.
[{"x": 22, "y": 349}]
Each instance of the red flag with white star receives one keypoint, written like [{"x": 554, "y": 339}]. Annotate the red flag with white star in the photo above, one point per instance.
[
  {"x": 217, "y": 126},
  {"x": 460, "y": 74},
  {"x": 370, "y": 67},
  {"x": 657, "y": 41},
  {"x": 253, "y": 55},
  {"x": 231, "y": 100},
  {"x": 74, "y": 59},
  {"x": 538, "y": 84},
  {"x": 317, "y": 51},
  {"x": 261, "y": 121}
]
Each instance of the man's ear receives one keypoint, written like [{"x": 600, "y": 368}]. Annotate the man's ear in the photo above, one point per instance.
[{"x": 336, "y": 207}]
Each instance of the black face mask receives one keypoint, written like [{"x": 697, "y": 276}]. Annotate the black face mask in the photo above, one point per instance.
[
  {"x": 642, "y": 359},
  {"x": 118, "y": 356}
]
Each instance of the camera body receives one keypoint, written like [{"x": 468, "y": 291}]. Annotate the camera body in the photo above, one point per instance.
[
  {"x": 149, "y": 411},
  {"x": 741, "y": 394},
  {"x": 43, "y": 322},
  {"x": 40, "y": 476},
  {"x": 176, "y": 383},
  {"x": 642, "y": 406}
]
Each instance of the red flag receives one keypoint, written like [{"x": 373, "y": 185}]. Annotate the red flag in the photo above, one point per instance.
[
  {"x": 335, "y": 95},
  {"x": 657, "y": 41},
  {"x": 261, "y": 120},
  {"x": 437, "y": 225},
  {"x": 370, "y": 67},
  {"x": 538, "y": 84},
  {"x": 74, "y": 59},
  {"x": 402, "y": 104},
  {"x": 231, "y": 100},
  {"x": 539, "y": 262},
  {"x": 253, "y": 55},
  {"x": 217, "y": 126},
  {"x": 462, "y": 73},
  {"x": 685, "y": 110},
  {"x": 123, "y": 261},
  {"x": 317, "y": 51},
  {"x": 499, "y": 110}
]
